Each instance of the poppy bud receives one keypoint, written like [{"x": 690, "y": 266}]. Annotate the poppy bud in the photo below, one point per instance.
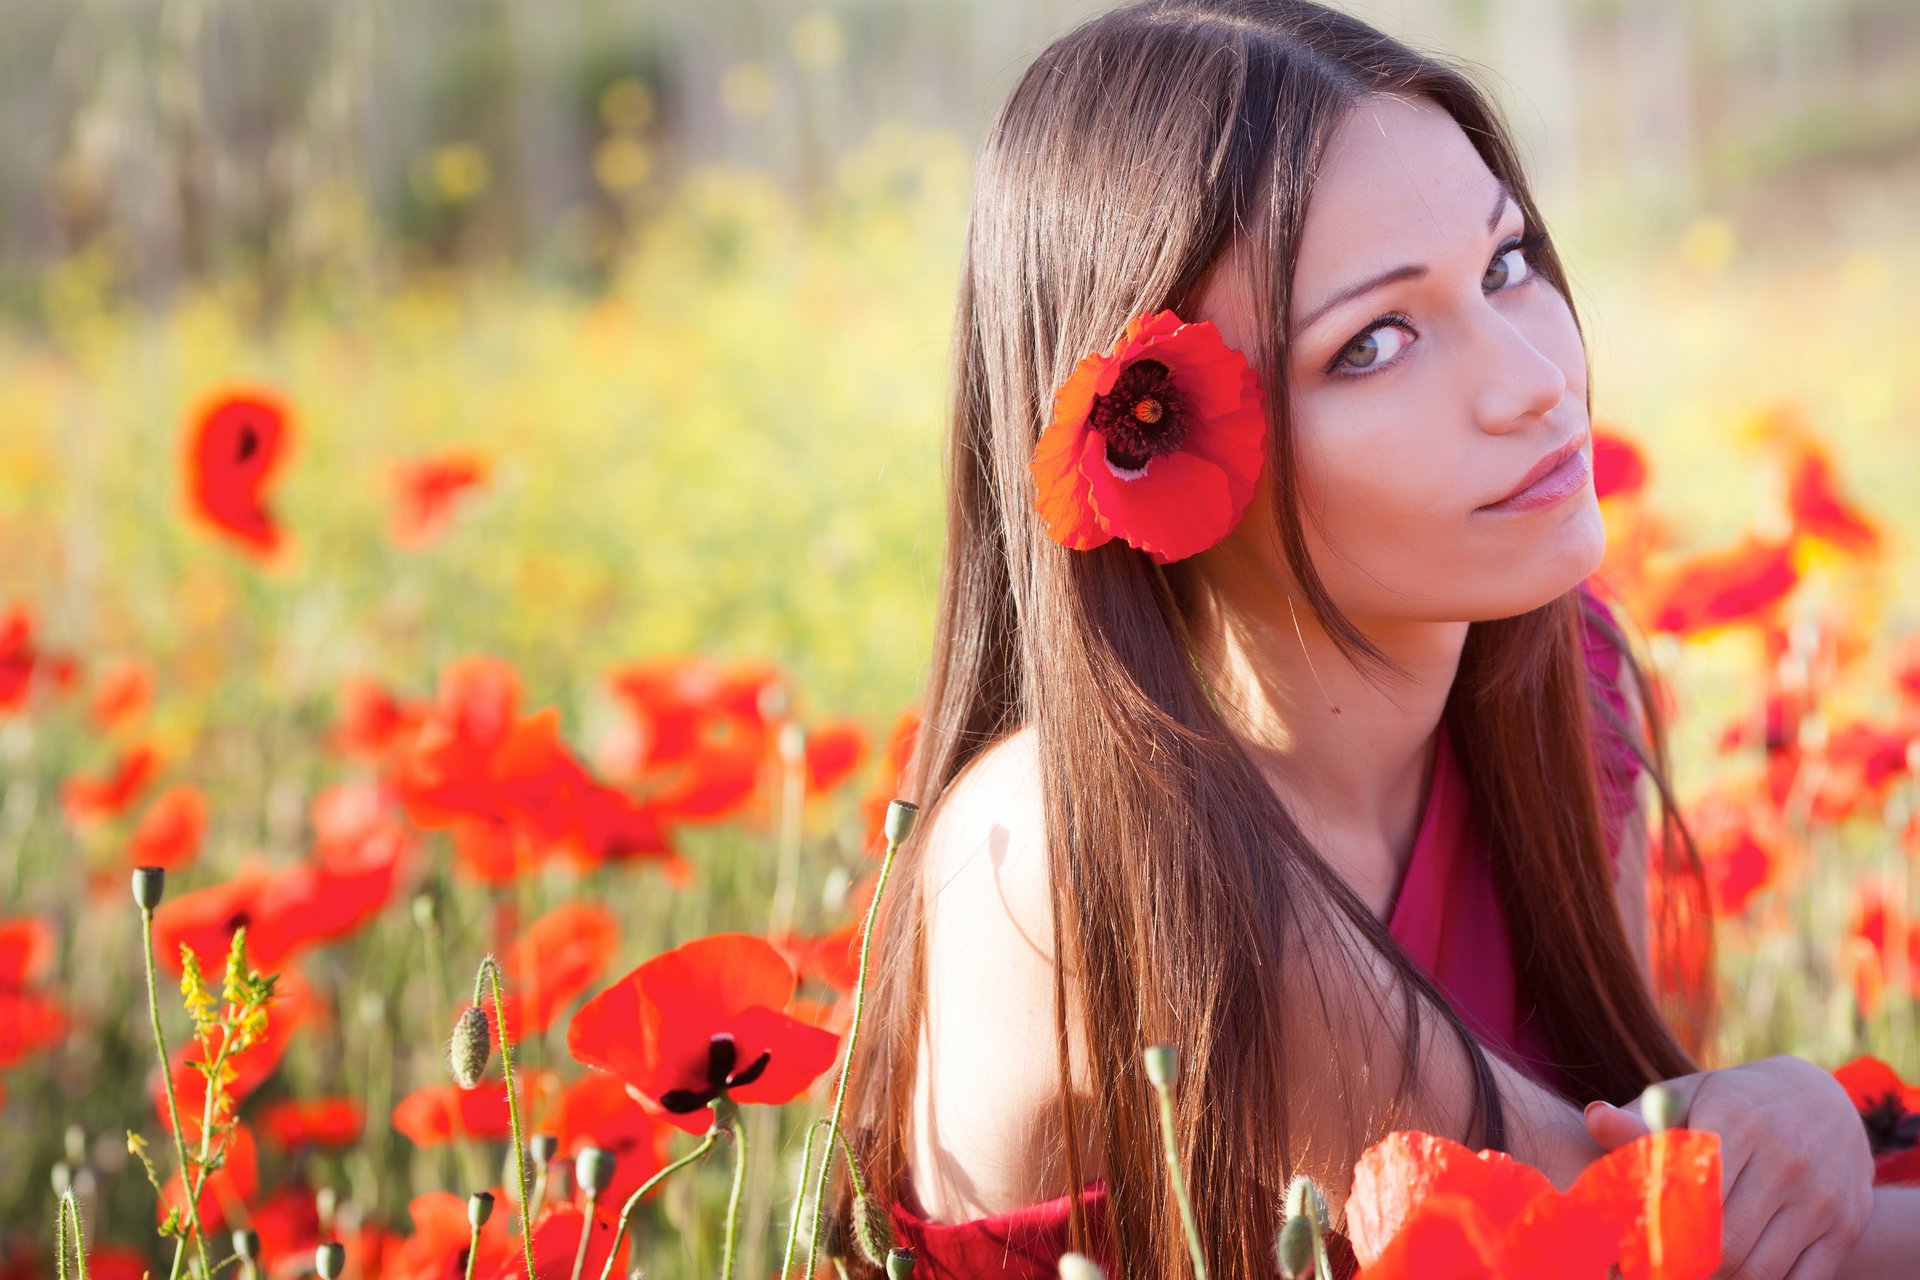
[
  {"x": 325, "y": 1201},
  {"x": 1078, "y": 1266},
  {"x": 899, "y": 1264},
  {"x": 1163, "y": 1064},
  {"x": 425, "y": 910},
  {"x": 872, "y": 1231},
  {"x": 479, "y": 1209},
  {"x": 1294, "y": 1249},
  {"x": 793, "y": 742},
  {"x": 544, "y": 1147},
  {"x": 149, "y": 886},
  {"x": 1304, "y": 1198},
  {"x": 901, "y": 815},
  {"x": 62, "y": 1174},
  {"x": 593, "y": 1167},
  {"x": 1660, "y": 1108},
  {"x": 471, "y": 1048},
  {"x": 246, "y": 1243},
  {"x": 330, "y": 1259}
]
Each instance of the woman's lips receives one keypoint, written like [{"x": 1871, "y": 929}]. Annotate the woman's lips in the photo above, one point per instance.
[{"x": 1551, "y": 489}]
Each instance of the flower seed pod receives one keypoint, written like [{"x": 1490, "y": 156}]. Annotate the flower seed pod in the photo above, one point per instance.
[
  {"x": 1294, "y": 1250},
  {"x": 471, "y": 1048},
  {"x": 900, "y": 1264},
  {"x": 901, "y": 817},
  {"x": 425, "y": 909},
  {"x": 246, "y": 1243},
  {"x": 1163, "y": 1064},
  {"x": 1660, "y": 1108},
  {"x": 593, "y": 1168},
  {"x": 149, "y": 886},
  {"x": 479, "y": 1209},
  {"x": 1304, "y": 1197},
  {"x": 1078, "y": 1266},
  {"x": 871, "y": 1231},
  {"x": 543, "y": 1148},
  {"x": 330, "y": 1260}
]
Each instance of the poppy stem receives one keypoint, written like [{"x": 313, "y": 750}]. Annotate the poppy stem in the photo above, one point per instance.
[
  {"x": 900, "y": 821},
  {"x": 738, "y": 1129},
  {"x": 586, "y": 1233},
  {"x": 490, "y": 969},
  {"x": 626, "y": 1210},
  {"x": 173, "y": 1105},
  {"x": 1160, "y": 1064},
  {"x": 71, "y": 1209},
  {"x": 799, "y": 1199},
  {"x": 60, "y": 1237}
]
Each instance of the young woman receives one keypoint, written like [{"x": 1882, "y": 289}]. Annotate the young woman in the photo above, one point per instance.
[{"x": 1270, "y": 716}]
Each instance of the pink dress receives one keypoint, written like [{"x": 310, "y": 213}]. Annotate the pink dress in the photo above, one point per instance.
[{"x": 1445, "y": 916}]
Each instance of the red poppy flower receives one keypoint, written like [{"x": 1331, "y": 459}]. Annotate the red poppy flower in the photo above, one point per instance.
[
  {"x": 17, "y": 657},
  {"x": 92, "y": 800},
  {"x": 597, "y": 1111},
  {"x": 437, "y": 1249},
  {"x": 373, "y": 722},
  {"x": 1619, "y": 468},
  {"x": 427, "y": 491},
  {"x": 891, "y": 782},
  {"x": 442, "y": 1113},
  {"x": 554, "y": 959},
  {"x": 237, "y": 441},
  {"x": 1426, "y": 1206},
  {"x": 314, "y": 1122},
  {"x": 1157, "y": 441},
  {"x": 169, "y": 832},
  {"x": 123, "y": 693},
  {"x": 701, "y": 1020},
  {"x": 29, "y": 1019},
  {"x": 1890, "y": 1109},
  {"x": 1881, "y": 931},
  {"x": 287, "y": 910},
  {"x": 1743, "y": 583},
  {"x": 832, "y": 958},
  {"x": 1814, "y": 502}
]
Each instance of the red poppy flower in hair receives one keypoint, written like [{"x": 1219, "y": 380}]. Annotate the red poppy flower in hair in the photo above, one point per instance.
[{"x": 1157, "y": 442}]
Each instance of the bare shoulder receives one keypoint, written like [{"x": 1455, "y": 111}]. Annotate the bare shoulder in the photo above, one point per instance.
[{"x": 981, "y": 1139}]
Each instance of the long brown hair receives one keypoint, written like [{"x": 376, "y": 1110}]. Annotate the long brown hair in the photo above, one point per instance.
[{"x": 1128, "y": 156}]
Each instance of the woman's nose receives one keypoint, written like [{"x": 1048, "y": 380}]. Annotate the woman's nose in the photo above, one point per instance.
[{"x": 1519, "y": 381}]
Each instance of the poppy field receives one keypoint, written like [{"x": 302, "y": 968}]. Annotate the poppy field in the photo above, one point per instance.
[{"x": 481, "y": 680}]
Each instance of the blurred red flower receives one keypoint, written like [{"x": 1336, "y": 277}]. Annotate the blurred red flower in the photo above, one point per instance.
[
  {"x": 556, "y": 1239},
  {"x": 704, "y": 1019},
  {"x": 230, "y": 1186},
  {"x": 237, "y": 440},
  {"x": 169, "y": 832},
  {"x": 122, "y": 693},
  {"x": 598, "y": 1111},
  {"x": 88, "y": 801},
  {"x": 1880, "y": 933},
  {"x": 312, "y": 1122},
  {"x": 1743, "y": 583},
  {"x": 553, "y": 960},
  {"x": 892, "y": 782},
  {"x": 1619, "y": 468},
  {"x": 373, "y": 722},
  {"x": 1429, "y": 1207},
  {"x": 17, "y": 657},
  {"x": 437, "y": 1249},
  {"x": 832, "y": 958},
  {"x": 1890, "y": 1109},
  {"x": 1814, "y": 502},
  {"x": 30, "y": 1020},
  {"x": 286, "y": 909},
  {"x": 439, "y": 1113},
  {"x": 426, "y": 492}
]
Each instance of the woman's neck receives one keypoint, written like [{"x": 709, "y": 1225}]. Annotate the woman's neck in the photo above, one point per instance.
[{"x": 1350, "y": 758}]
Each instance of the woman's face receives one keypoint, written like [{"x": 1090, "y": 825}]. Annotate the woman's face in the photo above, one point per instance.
[{"x": 1420, "y": 401}]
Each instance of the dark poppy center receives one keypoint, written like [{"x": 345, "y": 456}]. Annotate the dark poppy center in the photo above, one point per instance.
[
  {"x": 249, "y": 442},
  {"x": 238, "y": 920},
  {"x": 1890, "y": 1126},
  {"x": 722, "y": 1056},
  {"x": 1143, "y": 416}
]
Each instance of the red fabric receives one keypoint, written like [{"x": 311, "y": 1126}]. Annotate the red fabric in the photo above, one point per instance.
[{"x": 1445, "y": 916}]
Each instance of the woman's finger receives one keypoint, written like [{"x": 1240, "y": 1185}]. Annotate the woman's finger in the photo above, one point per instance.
[
  {"x": 1753, "y": 1206},
  {"x": 1820, "y": 1261},
  {"x": 1786, "y": 1238}
]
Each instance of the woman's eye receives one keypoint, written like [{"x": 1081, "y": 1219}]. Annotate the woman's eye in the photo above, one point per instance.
[{"x": 1513, "y": 266}]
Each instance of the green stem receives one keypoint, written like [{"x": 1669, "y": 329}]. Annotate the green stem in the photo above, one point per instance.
[
  {"x": 1168, "y": 1141},
  {"x": 733, "y": 1200},
  {"x": 626, "y": 1210},
  {"x": 79, "y": 1243},
  {"x": 60, "y": 1237},
  {"x": 799, "y": 1200},
  {"x": 586, "y": 1233},
  {"x": 173, "y": 1106},
  {"x": 846, "y": 1063},
  {"x": 491, "y": 970},
  {"x": 473, "y": 1246}
]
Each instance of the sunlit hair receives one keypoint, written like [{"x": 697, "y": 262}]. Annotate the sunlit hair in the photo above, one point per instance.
[{"x": 1129, "y": 155}]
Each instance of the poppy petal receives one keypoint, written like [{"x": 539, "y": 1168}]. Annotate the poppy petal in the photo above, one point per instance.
[{"x": 1179, "y": 504}]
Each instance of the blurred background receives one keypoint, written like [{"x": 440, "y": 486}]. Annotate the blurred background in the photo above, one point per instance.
[{"x": 609, "y": 332}]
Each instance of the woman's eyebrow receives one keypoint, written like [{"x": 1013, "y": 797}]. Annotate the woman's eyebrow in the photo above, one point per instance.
[{"x": 1410, "y": 271}]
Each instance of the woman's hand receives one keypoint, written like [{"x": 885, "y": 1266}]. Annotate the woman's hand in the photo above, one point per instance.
[{"x": 1798, "y": 1174}]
